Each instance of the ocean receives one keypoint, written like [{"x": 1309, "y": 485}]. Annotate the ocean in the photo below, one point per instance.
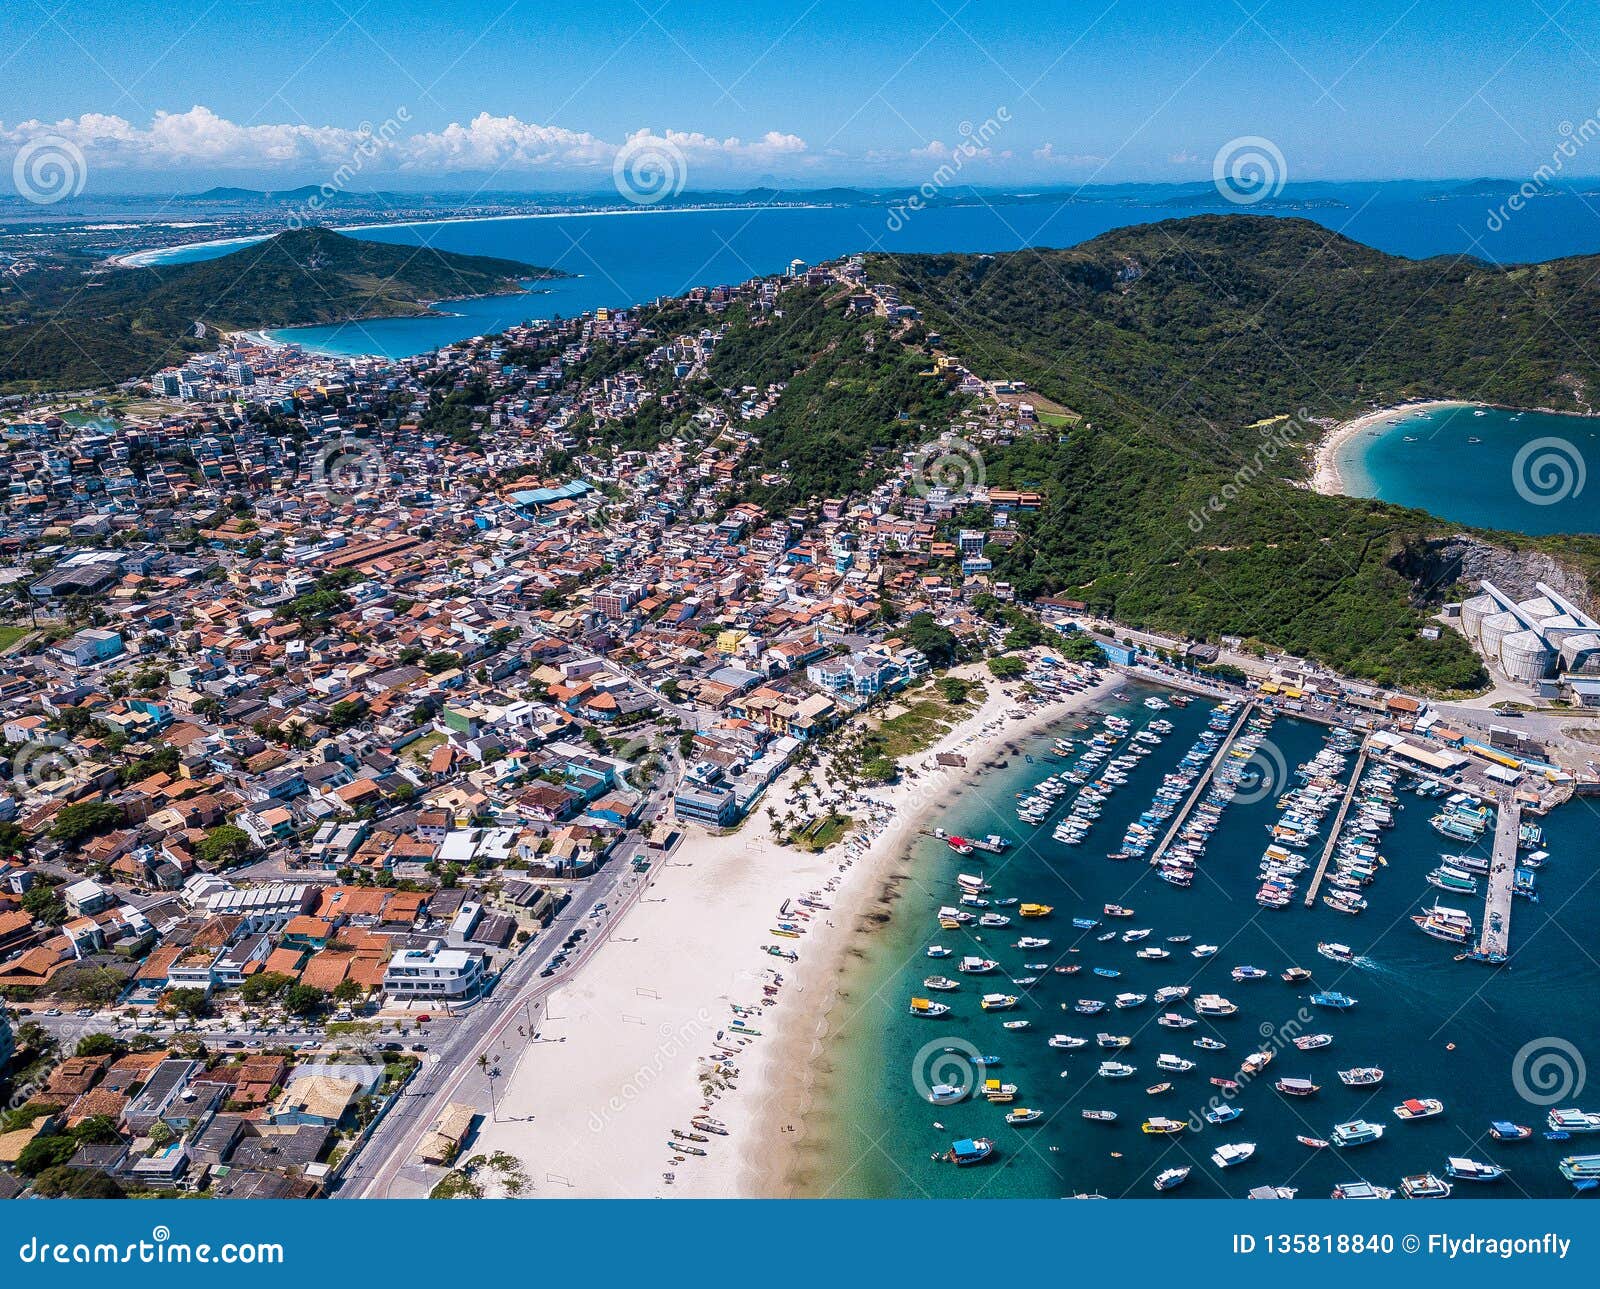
[
  {"x": 629, "y": 258},
  {"x": 1455, "y": 1031},
  {"x": 1526, "y": 472}
]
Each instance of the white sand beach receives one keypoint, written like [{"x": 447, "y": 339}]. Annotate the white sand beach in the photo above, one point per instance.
[
  {"x": 1325, "y": 477},
  {"x": 590, "y": 1107}
]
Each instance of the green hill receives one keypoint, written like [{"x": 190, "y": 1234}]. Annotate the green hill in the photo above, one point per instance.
[
  {"x": 1173, "y": 507},
  {"x": 133, "y": 321}
]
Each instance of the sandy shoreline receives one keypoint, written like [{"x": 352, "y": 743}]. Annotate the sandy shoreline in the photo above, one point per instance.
[
  {"x": 782, "y": 1116},
  {"x": 1325, "y": 476},
  {"x": 625, "y": 1051}
]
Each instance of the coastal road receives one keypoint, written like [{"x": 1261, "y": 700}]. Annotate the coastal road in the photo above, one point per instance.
[{"x": 486, "y": 1030}]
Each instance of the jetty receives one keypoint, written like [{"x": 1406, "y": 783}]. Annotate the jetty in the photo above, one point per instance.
[
  {"x": 1338, "y": 826},
  {"x": 1202, "y": 783},
  {"x": 1496, "y": 936}
]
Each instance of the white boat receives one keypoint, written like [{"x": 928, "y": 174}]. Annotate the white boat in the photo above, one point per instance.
[
  {"x": 1067, "y": 1041},
  {"x": 1114, "y": 1070},
  {"x": 939, "y": 951},
  {"x": 998, "y": 1002},
  {"x": 947, "y": 1093},
  {"x": 1175, "y": 1064},
  {"x": 1234, "y": 1152}
]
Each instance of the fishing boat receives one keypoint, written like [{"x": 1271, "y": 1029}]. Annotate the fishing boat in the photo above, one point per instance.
[
  {"x": 1424, "y": 1186},
  {"x": 1203, "y": 950},
  {"x": 1311, "y": 1042},
  {"x": 1176, "y": 1064},
  {"x": 1338, "y": 952},
  {"x": 1171, "y": 993},
  {"x": 1130, "y": 1000},
  {"x": 997, "y": 1092},
  {"x": 1297, "y": 1087},
  {"x": 1214, "y": 1005},
  {"x": 1226, "y": 1084},
  {"x": 1233, "y": 1153},
  {"x": 1066, "y": 1041},
  {"x": 998, "y": 1002},
  {"x": 1256, "y": 1062},
  {"x": 1361, "y": 1190},
  {"x": 939, "y": 951},
  {"x": 1160, "y": 1127},
  {"x": 1021, "y": 1115},
  {"x": 972, "y": 965},
  {"x": 1358, "y": 1132},
  {"x": 970, "y": 1151},
  {"x": 1316, "y": 1143},
  {"x": 1113, "y": 1041},
  {"x": 1583, "y": 1171},
  {"x": 1505, "y": 1130},
  {"x": 1170, "y": 1178},
  {"x": 1086, "y": 924},
  {"x": 1117, "y": 911},
  {"x": 994, "y": 921},
  {"x": 943, "y": 983},
  {"x": 1209, "y": 1044},
  {"x": 1172, "y": 1020},
  {"x": 1473, "y": 1170},
  {"x": 1294, "y": 975},
  {"x": 1067, "y": 969},
  {"x": 948, "y": 1093},
  {"x": 1016, "y": 1024},
  {"x": 1227, "y": 1112},
  {"x": 1152, "y": 954},
  {"x": 1156, "y": 1089},
  {"x": 1363, "y": 1076},
  {"x": 1089, "y": 1006},
  {"x": 1424, "y": 1108},
  {"x": 1035, "y": 910},
  {"x": 1337, "y": 1001},
  {"x": 1568, "y": 1120},
  {"x": 1100, "y": 1116},
  {"x": 1248, "y": 973},
  {"x": 1110, "y": 973},
  {"x": 1114, "y": 1070},
  {"x": 1032, "y": 942},
  {"x": 927, "y": 1007}
]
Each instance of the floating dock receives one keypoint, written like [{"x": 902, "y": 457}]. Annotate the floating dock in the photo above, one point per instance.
[
  {"x": 1496, "y": 936},
  {"x": 1202, "y": 783},
  {"x": 1338, "y": 826}
]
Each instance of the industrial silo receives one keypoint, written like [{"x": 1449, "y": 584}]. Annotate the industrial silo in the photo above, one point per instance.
[
  {"x": 1525, "y": 657},
  {"x": 1494, "y": 628},
  {"x": 1581, "y": 653},
  {"x": 1474, "y": 611}
]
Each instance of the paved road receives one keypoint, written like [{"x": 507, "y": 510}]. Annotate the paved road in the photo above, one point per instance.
[{"x": 497, "y": 1027}]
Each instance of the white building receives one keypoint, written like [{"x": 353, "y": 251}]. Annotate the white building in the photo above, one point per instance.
[{"x": 436, "y": 974}]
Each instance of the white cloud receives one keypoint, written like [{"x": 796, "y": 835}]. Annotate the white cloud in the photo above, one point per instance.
[{"x": 485, "y": 144}]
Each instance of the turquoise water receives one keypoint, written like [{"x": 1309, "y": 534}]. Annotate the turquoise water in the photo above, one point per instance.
[
  {"x": 632, "y": 258},
  {"x": 1413, "y": 1001},
  {"x": 1529, "y": 472}
]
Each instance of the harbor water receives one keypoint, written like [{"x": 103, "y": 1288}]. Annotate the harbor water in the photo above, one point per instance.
[{"x": 1491, "y": 1044}]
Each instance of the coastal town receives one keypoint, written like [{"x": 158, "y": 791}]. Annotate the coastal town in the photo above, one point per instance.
[{"x": 353, "y": 705}]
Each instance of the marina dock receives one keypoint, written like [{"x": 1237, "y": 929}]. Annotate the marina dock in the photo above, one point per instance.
[
  {"x": 1338, "y": 826},
  {"x": 1202, "y": 783},
  {"x": 1496, "y": 936}
]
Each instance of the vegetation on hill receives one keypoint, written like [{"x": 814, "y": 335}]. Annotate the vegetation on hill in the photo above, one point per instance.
[
  {"x": 1174, "y": 506},
  {"x": 108, "y": 326}
]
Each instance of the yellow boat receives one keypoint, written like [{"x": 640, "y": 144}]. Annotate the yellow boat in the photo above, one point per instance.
[
  {"x": 1035, "y": 910},
  {"x": 792, "y": 935},
  {"x": 1162, "y": 1127},
  {"x": 999, "y": 1092}
]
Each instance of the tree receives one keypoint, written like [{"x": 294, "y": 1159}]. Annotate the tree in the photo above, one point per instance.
[
  {"x": 85, "y": 819},
  {"x": 348, "y": 991},
  {"x": 42, "y": 905},
  {"x": 223, "y": 844},
  {"x": 45, "y": 1152},
  {"x": 937, "y": 644},
  {"x": 62, "y": 1182},
  {"x": 1008, "y": 667},
  {"x": 97, "y": 1130},
  {"x": 302, "y": 1000},
  {"x": 191, "y": 1002},
  {"x": 269, "y": 984},
  {"x": 96, "y": 1045},
  {"x": 95, "y": 986}
]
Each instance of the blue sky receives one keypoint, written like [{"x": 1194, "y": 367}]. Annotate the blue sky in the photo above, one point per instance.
[{"x": 543, "y": 93}]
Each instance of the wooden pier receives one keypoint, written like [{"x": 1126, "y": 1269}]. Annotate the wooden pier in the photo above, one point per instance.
[
  {"x": 1202, "y": 783},
  {"x": 1496, "y": 937},
  {"x": 1338, "y": 826}
]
